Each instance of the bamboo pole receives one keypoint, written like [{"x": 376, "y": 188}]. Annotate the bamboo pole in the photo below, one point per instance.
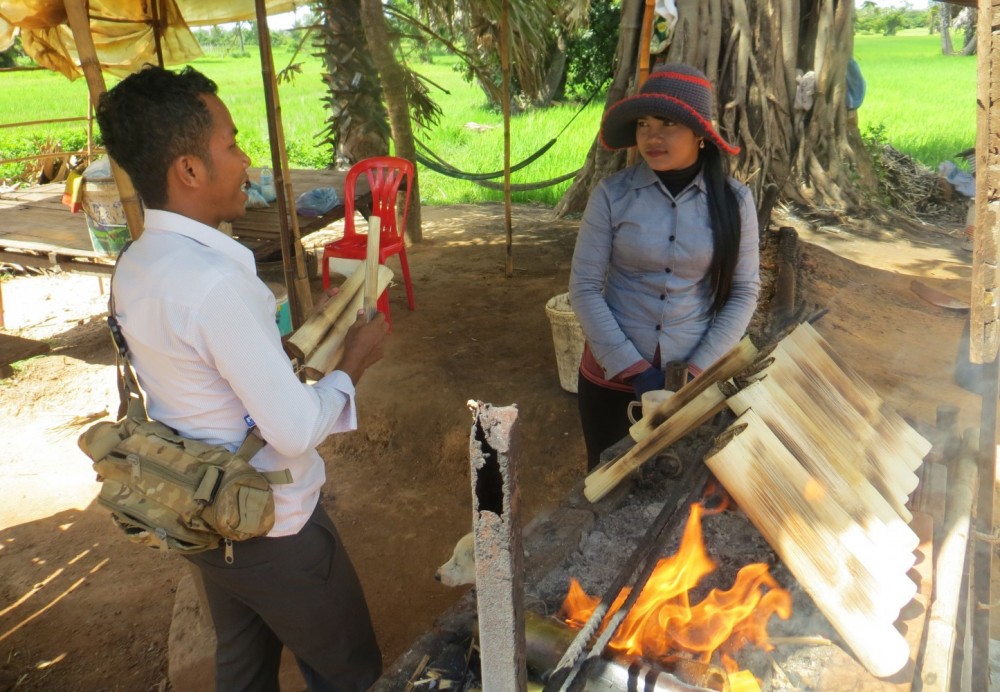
[
  {"x": 303, "y": 341},
  {"x": 505, "y": 91},
  {"x": 739, "y": 358},
  {"x": 79, "y": 24},
  {"x": 46, "y": 155},
  {"x": 327, "y": 354},
  {"x": 809, "y": 536},
  {"x": 935, "y": 671},
  {"x": 292, "y": 252},
  {"x": 606, "y": 477},
  {"x": 28, "y": 123}
]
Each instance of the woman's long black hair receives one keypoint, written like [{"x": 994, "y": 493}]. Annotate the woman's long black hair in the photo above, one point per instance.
[{"x": 724, "y": 216}]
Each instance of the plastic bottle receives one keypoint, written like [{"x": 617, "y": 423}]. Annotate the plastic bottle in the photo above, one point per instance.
[{"x": 267, "y": 185}]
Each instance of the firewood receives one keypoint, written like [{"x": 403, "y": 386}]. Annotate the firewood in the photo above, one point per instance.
[
  {"x": 935, "y": 671},
  {"x": 304, "y": 340},
  {"x": 606, "y": 477},
  {"x": 817, "y": 541},
  {"x": 330, "y": 350},
  {"x": 738, "y": 359},
  {"x": 827, "y": 455}
]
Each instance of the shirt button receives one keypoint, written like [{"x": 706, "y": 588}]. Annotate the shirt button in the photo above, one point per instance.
[
  {"x": 663, "y": 296},
  {"x": 668, "y": 270},
  {"x": 657, "y": 327},
  {"x": 673, "y": 204},
  {"x": 673, "y": 238}
]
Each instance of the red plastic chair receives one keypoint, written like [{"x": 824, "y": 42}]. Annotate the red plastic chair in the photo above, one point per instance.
[{"x": 385, "y": 175}]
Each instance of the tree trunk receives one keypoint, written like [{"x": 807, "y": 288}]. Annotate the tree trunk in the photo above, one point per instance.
[
  {"x": 601, "y": 162},
  {"x": 971, "y": 21},
  {"x": 946, "y": 48},
  {"x": 397, "y": 103},
  {"x": 753, "y": 52},
  {"x": 357, "y": 126}
]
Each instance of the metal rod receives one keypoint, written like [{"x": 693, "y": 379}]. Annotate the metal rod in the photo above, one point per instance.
[{"x": 635, "y": 573}]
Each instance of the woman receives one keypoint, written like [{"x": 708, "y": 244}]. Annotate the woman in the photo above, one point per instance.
[{"x": 666, "y": 264}]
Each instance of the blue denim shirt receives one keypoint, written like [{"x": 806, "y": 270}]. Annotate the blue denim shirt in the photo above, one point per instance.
[{"x": 640, "y": 280}]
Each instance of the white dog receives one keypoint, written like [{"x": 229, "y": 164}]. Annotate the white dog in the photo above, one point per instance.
[{"x": 461, "y": 568}]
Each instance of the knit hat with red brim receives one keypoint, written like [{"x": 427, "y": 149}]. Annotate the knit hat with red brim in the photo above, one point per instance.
[{"x": 676, "y": 92}]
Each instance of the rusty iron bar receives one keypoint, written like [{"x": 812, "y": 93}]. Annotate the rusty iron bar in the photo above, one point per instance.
[{"x": 636, "y": 571}]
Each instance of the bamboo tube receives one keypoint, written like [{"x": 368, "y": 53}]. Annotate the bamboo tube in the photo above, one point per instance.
[
  {"x": 770, "y": 486},
  {"x": 736, "y": 360},
  {"x": 935, "y": 671},
  {"x": 919, "y": 445},
  {"x": 822, "y": 455},
  {"x": 304, "y": 340},
  {"x": 547, "y": 639},
  {"x": 805, "y": 376},
  {"x": 371, "y": 267},
  {"x": 606, "y": 477},
  {"x": 330, "y": 350}
]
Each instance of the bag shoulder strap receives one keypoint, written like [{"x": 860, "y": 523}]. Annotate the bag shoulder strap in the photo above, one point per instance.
[{"x": 132, "y": 404}]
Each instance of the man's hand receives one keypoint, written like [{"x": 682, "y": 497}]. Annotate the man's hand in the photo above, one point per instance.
[{"x": 364, "y": 345}]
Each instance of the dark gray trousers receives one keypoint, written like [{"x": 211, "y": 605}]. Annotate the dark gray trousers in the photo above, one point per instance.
[{"x": 297, "y": 591}]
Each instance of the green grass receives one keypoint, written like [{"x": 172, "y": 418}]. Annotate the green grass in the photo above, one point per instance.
[
  {"x": 923, "y": 102},
  {"x": 482, "y": 151},
  {"x": 40, "y": 95}
]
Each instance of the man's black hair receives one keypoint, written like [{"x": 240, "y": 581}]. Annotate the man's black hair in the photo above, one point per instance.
[{"x": 152, "y": 117}]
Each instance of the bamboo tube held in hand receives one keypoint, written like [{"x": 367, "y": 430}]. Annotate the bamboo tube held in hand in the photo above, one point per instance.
[
  {"x": 306, "y": 338},
  {"x": 330, "y": 350},
  {"x": 604, "y": 478},
  {"x": 371, "y": 291},
  {"x": 736, "y": 360}
]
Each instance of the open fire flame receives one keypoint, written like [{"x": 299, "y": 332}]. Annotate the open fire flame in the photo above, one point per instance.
[{"x": 663, "y": 624}]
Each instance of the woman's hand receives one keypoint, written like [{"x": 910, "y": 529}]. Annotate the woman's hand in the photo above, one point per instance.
[{"x": 649, "y": 379}]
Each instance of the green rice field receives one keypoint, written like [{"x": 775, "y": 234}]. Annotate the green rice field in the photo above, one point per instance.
[
  {"x": 917, "y": 100},
  {"x": 922, "y": 102}
]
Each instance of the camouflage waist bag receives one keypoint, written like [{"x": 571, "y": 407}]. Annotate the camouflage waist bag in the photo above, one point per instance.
[{"x": 169, "y": 492}]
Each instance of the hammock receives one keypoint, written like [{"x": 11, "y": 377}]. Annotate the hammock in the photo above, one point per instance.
[
  {"x": 439, "y": 165},
  {"x": 528, "y": 187}
]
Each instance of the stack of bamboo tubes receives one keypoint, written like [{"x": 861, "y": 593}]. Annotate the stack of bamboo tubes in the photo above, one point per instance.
[
  {"x": 318, "y": 345},
  {"x": 821, "y": 466}
]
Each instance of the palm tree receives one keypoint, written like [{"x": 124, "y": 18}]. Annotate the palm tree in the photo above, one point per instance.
[
  {"x": 357, "y": 126},
  {"x": 373, "y": 94}
]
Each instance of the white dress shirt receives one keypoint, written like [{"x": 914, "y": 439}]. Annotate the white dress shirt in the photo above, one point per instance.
[{"x": 200, "y": 327}]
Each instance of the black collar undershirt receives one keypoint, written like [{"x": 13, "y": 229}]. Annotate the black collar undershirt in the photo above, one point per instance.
[{"x": 677, "y": 180}]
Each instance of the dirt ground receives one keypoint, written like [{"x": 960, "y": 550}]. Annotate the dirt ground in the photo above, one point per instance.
[{"x": 83, "y": 609}]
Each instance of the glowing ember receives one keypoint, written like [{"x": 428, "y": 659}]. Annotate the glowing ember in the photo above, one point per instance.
[{"x": 663, "y": 622}]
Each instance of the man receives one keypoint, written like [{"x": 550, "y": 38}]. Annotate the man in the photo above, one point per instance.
[{"x": 200, "y": 328}]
